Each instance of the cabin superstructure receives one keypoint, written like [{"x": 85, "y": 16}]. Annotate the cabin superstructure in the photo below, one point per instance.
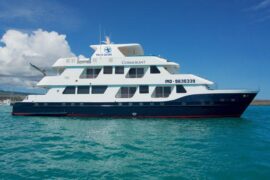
[{"x": 117, "y": 72}]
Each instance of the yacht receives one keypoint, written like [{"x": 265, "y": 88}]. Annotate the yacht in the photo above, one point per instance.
[{"x": 118, "y": 80}]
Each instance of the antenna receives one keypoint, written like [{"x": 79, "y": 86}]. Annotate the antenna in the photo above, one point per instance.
[
  {"x": 99, "y": 40},
  {"x": 99, "y": 34},
  {"x": 104, "y": 33}
]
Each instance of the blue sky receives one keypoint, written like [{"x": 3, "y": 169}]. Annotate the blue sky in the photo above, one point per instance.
[{"x": 227, "y": 42}]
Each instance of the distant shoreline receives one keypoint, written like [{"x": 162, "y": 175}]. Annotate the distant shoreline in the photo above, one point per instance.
[{"x": 260, "y": 102}]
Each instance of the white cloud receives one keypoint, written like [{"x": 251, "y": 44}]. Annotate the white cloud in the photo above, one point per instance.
[
  {"x": 260, "y": 11},
  {"x": 38, "y": 13},
  {"x": 262, "y": 5},
  {"x": 39, "y": 47}
]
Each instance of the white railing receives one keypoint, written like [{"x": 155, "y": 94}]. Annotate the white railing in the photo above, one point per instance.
[{"x": 76, "y": 60}]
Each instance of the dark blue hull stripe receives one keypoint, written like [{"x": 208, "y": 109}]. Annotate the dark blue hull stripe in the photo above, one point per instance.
[{"x": 207, "y": 105}]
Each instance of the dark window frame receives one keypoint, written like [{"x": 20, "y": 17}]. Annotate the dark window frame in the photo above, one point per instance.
[
  {"x": 154, "y": 70},
  {"x": 107, "y": 70},
  {"x": 162, "y": 92},
  {"x": 142, "y": 90},
  {"x": 180, "y": 89},
  {"x": 91, "y": 73},
  {"x": 135, "y": 74},
  {"x": 129, "y": 92},
  {"x": 95, "y": 90},
  {"x": 68, "y": 89},
  {"x": 119, "y": 69},
  {"x": 81, "y": 90}
]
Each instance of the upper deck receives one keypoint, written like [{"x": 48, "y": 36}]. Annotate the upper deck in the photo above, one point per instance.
[
  {"x": 115, "y": 54},
  {"x": 113, "y": 61}
]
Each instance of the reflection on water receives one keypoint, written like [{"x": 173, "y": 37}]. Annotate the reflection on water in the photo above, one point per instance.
[{"x": 59, "y": 147}]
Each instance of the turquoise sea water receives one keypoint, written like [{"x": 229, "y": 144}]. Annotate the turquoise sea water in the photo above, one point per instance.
[{"x": 83, "y": 148}]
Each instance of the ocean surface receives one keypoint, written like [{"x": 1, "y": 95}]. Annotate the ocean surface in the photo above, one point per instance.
[{"x": 87, "y": 148}]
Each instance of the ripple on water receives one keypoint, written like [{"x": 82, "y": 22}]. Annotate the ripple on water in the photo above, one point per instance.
[
  {"x": 51, "y": 138},
  {"x": 82, "y": 148}
]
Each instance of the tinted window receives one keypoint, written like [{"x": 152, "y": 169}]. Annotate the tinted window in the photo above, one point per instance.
[
  {"x": 166, "y": 91},
  {"x": 98, "y": 89},
  {"x": 154, "y": 70},
  {"x": 83, "y": 89},
  {"x": 119, "y": 70},
  {"x": 159, "y": 91},
  {"x": 140, "y": 72},
  {"x": 69, "y": 90},
  {"x": 135, "y": 72},
  {"x": 91, "y": 73},
  {"x": 180, "y": 89},
  {"x": 132, "y": 72},
  {"x": 162, "y": 91},
  {"x": 132, "y": 91},
  {"x": 107, "y": 70},
  {"x": 126, "y": 92},
  {"x": 144, "y": 89}
]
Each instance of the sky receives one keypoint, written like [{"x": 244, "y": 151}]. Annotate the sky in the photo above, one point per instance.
[{"x": 227, "y": 42}]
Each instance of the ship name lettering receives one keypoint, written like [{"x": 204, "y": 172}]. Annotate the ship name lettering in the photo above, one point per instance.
[{"x": 133, "y": 62}]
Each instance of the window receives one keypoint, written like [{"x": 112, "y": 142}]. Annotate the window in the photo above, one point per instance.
[
  {"x": 98, "y": 89},
  {"x": 132, "y": 73},
  {"x": 83, "y": 90},
  {"x": 154, "y": 70},
  {"x": 180, "y": 89},
  {"x": 69, "y": 90},
  {"x": 159, "y": 92},
  {"x": 119, "y": 69},
  {"x": 166, "y": 91},
  {"x": 90, "y": 73},
  {"x": 162, "y": 91},
  {"x": 144, "y": 89},
  {"x": 107, "y": 70},
  {"x": 126, "y": 92},
  {"x": 135, "y": 72}
]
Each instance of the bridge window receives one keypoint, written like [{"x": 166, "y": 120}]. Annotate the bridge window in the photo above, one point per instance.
[
  {"x": 107, "y": 70},
  {"x": 135, "y": 73},
  {"x": 119, "y": 69},
  {"x": 69, "y": 90},
  {"x": 144, "y": 89},
  {"x": 98, "y": 89},
  {"x": 180, "y": 89},
  {"x": 154, "y": 70},
  {"x": 126, "y": 92},
  {"x": 90, "y": 73},
  {"x": 83, "y": 90},
  {"x": 162, "y": 92}
]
